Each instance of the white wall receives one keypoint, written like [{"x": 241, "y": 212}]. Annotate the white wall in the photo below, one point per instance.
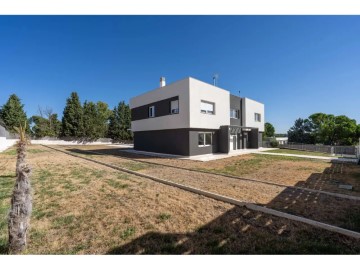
[
  {"x": 250, "y": 108},
  {"x": 6, "y": 143},
  {"x": 180, "y": 120},
  {"x": 62, "y": 142},
  {"x": 207, "y": 92}
]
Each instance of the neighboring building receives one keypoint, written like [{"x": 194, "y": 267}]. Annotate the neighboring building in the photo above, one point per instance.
[
  {"x": 282, "y": 140},
  {"x": 190, "y": 117}
]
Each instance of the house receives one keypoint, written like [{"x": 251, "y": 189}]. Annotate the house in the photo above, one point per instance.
[{"x": 190, "y": 117}]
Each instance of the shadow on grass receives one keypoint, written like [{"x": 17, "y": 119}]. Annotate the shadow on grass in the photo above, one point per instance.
[
  {"x": 240, "y": 231},
  {"x": 262, "y": 240}
]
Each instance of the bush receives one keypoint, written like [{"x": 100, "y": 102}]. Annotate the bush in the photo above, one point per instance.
[{"x": 274, "y": 144}]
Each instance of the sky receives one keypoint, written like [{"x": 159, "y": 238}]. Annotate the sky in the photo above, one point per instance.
[{"x": 295, "y": 65}]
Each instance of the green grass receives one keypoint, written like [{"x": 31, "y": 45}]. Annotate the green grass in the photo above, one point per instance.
[
  {"x": 247, "y": 166},
  {"x": 130, "y": 231},
  {"x": 299, "y": 152},
  {"x": 164, "y": 216},
  {"x": 117, "y": 184},
  {"x": 135, "y": 166},
  {"x": 63, "y": 221}
]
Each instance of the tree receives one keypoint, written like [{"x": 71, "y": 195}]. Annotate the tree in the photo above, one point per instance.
[
  {"x": 96, "y": 118},
  {"x": 45, "y": 124},
  {"x": 13, "y": 114},
  {"x": 21, "y": 201},
  {"x": 72, "y": 121},
  {"x": 325, "y": 129},
  {"x": 120, "y": 122},
  {"x": 90, "y": 117},
  {"x": 269, "y": 130},
  {"x": 103, "y": 118},
  {"x": 344, "y": 130},
  {"x": 301, "y": 131}
]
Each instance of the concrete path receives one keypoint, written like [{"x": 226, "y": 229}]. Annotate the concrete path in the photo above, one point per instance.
[{"x": 351, "y": 160}]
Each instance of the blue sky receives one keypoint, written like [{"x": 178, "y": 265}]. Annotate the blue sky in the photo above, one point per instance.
[{"x": 295, "y": 65}]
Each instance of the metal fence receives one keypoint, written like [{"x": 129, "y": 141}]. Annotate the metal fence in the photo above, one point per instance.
[{"x": 336, "y": 150}]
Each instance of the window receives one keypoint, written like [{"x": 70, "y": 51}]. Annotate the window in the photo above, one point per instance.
[
  {"x": 207, "y": 107},
  {"x": 234, "y": 113},
  {"x": 205, "y": 139},
  {"x": 257, "y": 117},
  {"x": 174, "y": 106},
  {"x": 152, "y": 111}
]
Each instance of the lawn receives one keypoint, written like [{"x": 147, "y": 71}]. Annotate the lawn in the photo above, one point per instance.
[
  {"x": 299, "y": 152},
  {"x": 80, "y": 207}
]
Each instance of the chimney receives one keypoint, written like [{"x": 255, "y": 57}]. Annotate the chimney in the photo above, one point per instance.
[{"x": 162, "y": 82}]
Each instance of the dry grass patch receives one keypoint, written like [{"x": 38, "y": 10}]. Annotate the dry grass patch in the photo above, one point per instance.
[{"x": 84, "y": 208}]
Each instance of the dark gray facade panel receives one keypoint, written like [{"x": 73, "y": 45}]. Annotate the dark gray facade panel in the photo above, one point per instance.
[
  {"x": 224, "y": 139},
  {"x": 170, "y": 141},
  {"x": 162, "y": 108},
  {"x": 194, "y": 146},
  {"x": 254, "y": 138},
  {"x": 235, "y": 104},
  {"x": 260, "y": 139}
]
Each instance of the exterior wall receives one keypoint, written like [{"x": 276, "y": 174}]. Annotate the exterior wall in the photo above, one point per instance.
[
  {"x": 224, "y": 139},
  {"x": 235, "y": 104},
  {"x": 175, "y": 141},
  {"x": 173, "y": 121},
  {"x": 194, "y": 146},
  {"x": 162, "y": 108},
  {"x": 253, "y": 138},
  {"x": 170, "y": 141},
  {"x": 250, "y": 107},
  {"x": 6, "y": 143},
  {"x": 260, "y": 139},
  {"x": 207, "y": 92}
]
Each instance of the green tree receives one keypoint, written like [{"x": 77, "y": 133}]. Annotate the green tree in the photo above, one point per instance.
[
  {"x": 45, "y": 124},
  {"x": 269, "y": 130},
  {"x": 345, "y": 130},
  {"x": 12, "y": 114},
  {"x": 301, "y": 132},
  {"x": 90, "y": 119},
  {"x": 120, "y": 123},
  {"x": 72, "y": 121},
  {"x": 104, "y": 114},
  {"x": 96, "y": 118}
]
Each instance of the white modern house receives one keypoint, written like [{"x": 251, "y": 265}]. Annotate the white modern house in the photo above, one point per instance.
[{"x": 190, "y": 117}]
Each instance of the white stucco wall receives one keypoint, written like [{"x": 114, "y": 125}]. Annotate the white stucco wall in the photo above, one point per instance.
[
  {"x": 6, "y": 143},
  {"x": 180, "y": 120},
  {"x": 250, "y": 108},
  {"x": 207, "y": 92}
]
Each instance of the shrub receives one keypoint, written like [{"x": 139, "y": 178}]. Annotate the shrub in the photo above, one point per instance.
[{"x": 274, "y": 144}]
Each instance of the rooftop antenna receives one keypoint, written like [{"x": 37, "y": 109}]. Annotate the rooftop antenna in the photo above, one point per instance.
[{"x": 215, "y": 78}]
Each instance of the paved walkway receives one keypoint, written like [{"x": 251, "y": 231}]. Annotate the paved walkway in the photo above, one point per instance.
[{"x": 352, "y": 160}]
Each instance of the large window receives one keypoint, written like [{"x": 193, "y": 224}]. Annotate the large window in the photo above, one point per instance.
[
  {"x": 257, "y": 117},
  {"x": 152, "y": 111},
  {"x": 207, "y": 107},
  {"x": 174, "y": 107},
  {"x": 234, "y": 114},
  {"x": 205, "y": 139}
]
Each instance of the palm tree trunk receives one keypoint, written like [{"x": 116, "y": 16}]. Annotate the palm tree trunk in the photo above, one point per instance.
[{"x": 21, "y": 204}]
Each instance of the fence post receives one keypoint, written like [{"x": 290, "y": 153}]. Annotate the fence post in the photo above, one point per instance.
[{"x": 332, "y": 151}]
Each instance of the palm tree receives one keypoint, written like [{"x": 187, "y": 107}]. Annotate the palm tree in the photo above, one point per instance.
[{"x": 21, "y": 201}]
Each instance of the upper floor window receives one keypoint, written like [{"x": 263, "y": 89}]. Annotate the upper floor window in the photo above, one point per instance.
[
  {"x": 234, "y": 114},
  {"x": 152, "y": 111},
  {"x": 174, "y": 106},
  {"x": 257, "y": 117},
  {"x": 207, "y": 107}
]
